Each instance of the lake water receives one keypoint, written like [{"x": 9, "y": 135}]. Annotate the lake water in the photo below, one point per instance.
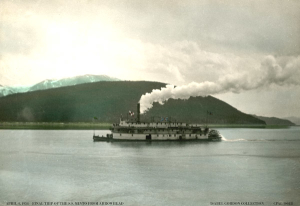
[{"x": 249, "y": 165}]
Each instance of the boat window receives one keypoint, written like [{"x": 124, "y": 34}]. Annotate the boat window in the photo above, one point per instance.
[
  {"x": 157, "y": 135},
  {"x": 190, "y": 134},
  {"x": 132, "y": 135},
  {"x": 170, "y": 135},
  {"x": 120, "y": 134}
]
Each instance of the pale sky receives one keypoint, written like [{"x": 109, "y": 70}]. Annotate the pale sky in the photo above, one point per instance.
[{"x": 176, "y": 42}]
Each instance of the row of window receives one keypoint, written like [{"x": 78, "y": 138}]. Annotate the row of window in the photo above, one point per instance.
[
  {"x": 130, "y": 131},
  {"x": 158, "y": 135},
  {"x": 157, "y": 123}
]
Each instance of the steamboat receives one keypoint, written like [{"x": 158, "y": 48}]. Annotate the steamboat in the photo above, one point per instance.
[{"x": 127, "y": 130}]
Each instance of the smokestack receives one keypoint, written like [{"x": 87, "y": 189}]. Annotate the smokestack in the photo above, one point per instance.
[{"x": 138, "y": 112}]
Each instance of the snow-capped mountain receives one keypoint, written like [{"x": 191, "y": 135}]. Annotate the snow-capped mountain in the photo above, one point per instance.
[
  {"x": 4, "y": 91},
  {"x": 54, "y": 83}
]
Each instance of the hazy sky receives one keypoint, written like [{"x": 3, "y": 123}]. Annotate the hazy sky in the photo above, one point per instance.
[{"x": 251, "y": 47}]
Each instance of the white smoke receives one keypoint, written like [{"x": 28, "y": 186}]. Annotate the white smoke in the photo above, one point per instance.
[{"x": 270, "y": 72}]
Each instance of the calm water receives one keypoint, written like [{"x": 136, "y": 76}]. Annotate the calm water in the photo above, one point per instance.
[{"x": 248, "y": 165}]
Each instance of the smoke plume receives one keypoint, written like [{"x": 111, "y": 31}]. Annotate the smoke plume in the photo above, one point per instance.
[{"x": 271, "y": 71}]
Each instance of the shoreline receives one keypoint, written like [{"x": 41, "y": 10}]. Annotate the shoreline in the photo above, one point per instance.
[
  {"x": 55, "y": 125},
  {"x": 106, "y": 126}
]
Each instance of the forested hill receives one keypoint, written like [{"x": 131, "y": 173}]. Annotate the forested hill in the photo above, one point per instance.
[{"x": 108, "y": 100}]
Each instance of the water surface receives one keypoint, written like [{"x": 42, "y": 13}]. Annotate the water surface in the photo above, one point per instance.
[{"x": 66, "y": 165}]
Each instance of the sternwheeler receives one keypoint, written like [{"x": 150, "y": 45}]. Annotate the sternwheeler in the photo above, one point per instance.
[{"x": 127, "y": 130}]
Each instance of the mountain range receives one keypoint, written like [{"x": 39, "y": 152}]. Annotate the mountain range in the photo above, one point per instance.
[
  {"x": 55, "y": 83},
  {"x": 108, "y": 100},
  {"x": 80, "y": 98}
]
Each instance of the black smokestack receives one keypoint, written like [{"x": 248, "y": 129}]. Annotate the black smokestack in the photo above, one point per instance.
[{"x": 138, "y": 112}]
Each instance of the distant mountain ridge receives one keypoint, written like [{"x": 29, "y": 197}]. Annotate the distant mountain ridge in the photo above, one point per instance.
[
  {"x": 55, "y": 83},
  {"x": 275, "y": 121},
  {"x": 50, "y": 83},
  {"x": 295, "y": 120},
  {"x": 4, "y": 91},
  {"x": 108, "y": 100}
]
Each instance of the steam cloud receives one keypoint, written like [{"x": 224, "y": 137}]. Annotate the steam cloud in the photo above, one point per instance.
[{"x": 270, "y": 72}]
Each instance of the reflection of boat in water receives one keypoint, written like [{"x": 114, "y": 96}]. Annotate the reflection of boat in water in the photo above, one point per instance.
[{"x": 128, "y": 131}]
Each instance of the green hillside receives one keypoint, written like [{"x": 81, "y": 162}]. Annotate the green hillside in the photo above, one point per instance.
[
  {"x": 203, "y": 110},
  {"x": 108, "y": 100}
]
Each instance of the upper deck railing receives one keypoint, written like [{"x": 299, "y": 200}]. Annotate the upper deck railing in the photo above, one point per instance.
[{"x": 154, "y": 124}]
